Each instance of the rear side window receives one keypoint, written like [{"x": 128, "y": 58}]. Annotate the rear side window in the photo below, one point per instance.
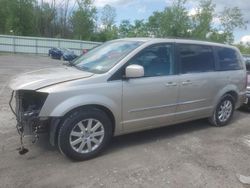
[
  {"x": 196, "y": 58},
  {"x": 229, "y": 59}
]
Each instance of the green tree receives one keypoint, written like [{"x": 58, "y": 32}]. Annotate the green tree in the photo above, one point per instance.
[
  {"x": 202, "y": 20},
  {"x": 154, "y": 24},
  {"x": 175, "y": 20},
  {"x": 140, "y": 29},
  {"x": 137, "y": 29},
  {"x": 108, "y": 17},
  {"x": 217, "y": 36},
  {"x": 172, "y": 22},
  {"x": 105, "y": 35},
  {"x": 231, "y": 19},
  {"x": 244, "y": 48},
  {"x": 45, "y": 20},
  {"x": 107, "y": 30},
  {"x": 125, "y": 29},
  {"x": 17, "y": 17},
  {"x": 3, "y": 15},
  {"x": 24, "y": 15},
  {"x": 83, "y": 20}
]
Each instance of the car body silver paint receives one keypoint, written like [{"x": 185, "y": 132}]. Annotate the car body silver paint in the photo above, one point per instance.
[
  {"x": 137, "y": 104},
  {"x": 45, "y": 77}
]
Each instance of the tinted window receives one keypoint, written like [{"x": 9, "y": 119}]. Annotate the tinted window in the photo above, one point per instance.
[
  {"x": 157, "y": 60},
  {"x": 196, "y": 58},
  {"x": 228, "y": 59}
]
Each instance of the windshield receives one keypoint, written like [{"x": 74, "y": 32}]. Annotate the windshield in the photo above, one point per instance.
[{"x": 104, "y": 57}]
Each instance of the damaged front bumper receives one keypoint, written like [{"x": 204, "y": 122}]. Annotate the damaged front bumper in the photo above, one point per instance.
[{"x": 27, "y": 108}]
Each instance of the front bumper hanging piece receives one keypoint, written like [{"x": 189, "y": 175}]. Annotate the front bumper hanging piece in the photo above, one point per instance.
[{"x": 20, "y": 129}]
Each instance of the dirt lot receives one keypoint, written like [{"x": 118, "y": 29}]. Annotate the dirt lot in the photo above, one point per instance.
[{"x": 186, "y": 155}]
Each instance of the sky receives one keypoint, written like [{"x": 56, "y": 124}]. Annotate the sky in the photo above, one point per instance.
[{"x": 142, "y": 9}]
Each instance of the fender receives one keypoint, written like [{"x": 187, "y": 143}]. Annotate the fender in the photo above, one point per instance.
[
  {"x": 77, "y": 101},
  {"x": 223, "y": 91},
  {"x": 56, "y": 107}
]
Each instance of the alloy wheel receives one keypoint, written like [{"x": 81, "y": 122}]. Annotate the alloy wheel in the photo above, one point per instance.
[
  {"x": 225, "y": 110},
  {"x": 86, "y": 136}
]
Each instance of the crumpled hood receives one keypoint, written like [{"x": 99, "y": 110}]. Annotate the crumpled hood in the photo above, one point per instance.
[{"x": 41, "y": 78}]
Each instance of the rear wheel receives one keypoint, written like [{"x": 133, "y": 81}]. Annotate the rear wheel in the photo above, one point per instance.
[
  {"x": 223, "y": 112},
  {"x": 84, "y": 134}
]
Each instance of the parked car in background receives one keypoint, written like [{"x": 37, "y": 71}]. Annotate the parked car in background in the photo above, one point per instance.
[
  {"x": 62, "y": 53},
  {"x": 56, "y": 53},
  {"x": 68, "y": 55},
  {"x": 129, "y": 85},
  {"x": 247, "y": 103},
  {"x": 51, "y": 51}
]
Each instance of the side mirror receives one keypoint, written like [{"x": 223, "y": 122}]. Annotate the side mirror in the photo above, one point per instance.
[{"x": 134, "y": 71}]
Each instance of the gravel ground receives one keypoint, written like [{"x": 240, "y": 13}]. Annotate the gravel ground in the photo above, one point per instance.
[{"x": 186, "y": 155}]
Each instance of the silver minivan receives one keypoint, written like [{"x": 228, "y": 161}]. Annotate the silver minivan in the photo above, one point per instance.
[{"x": 129, "y": 85}]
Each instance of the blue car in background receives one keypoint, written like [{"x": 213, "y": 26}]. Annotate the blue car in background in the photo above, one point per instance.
[
  {"x": 68, "y": 55},
  {"x": 62, "y": 53},
  {"x": 55, "y": 53}
]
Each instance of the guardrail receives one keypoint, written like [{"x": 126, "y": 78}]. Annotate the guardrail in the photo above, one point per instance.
[{"x": 39, "y": 45}]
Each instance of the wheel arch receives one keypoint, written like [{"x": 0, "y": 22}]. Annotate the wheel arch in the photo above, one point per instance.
[
  {"x": 229, "y": 89},
  {"x": 234, "y": 94},
  {"x": 56, "y": 122}
]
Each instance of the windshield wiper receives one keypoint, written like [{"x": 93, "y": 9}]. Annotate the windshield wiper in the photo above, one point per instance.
[{"x": 72, "y": 64}]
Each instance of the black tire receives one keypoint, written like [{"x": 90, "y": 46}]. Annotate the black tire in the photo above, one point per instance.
[
  {"x": 68, "y": 125},
  {"x": 215, "y": 120}
]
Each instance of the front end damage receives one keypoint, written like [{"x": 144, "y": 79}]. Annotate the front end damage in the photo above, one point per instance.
[{"x": 27, "y": 108}]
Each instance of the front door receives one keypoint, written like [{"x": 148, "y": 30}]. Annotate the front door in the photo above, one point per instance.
[{"x": 151, "y": 101}]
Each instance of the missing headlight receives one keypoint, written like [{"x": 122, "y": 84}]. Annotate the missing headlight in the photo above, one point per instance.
[{"x": 30, "y": 100}]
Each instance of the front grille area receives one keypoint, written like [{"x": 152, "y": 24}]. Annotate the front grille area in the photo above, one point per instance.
[{"x": 28, "y": 107}]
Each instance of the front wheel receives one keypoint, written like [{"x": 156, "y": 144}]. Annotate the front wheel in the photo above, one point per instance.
[
  {"x": 84, "y": 134},
  {"x": 223, "y": 112}
]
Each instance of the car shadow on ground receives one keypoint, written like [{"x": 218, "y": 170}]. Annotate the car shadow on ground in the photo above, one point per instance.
[
  {"x": 152, "y": 135},
  {"x": 163, "y": 133},
  {"x": 243, "y": 110}
]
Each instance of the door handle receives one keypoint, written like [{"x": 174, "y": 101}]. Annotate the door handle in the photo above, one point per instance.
[
  {"x": 188, "y": 82},
  {"x": 169, "y": 84}
]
